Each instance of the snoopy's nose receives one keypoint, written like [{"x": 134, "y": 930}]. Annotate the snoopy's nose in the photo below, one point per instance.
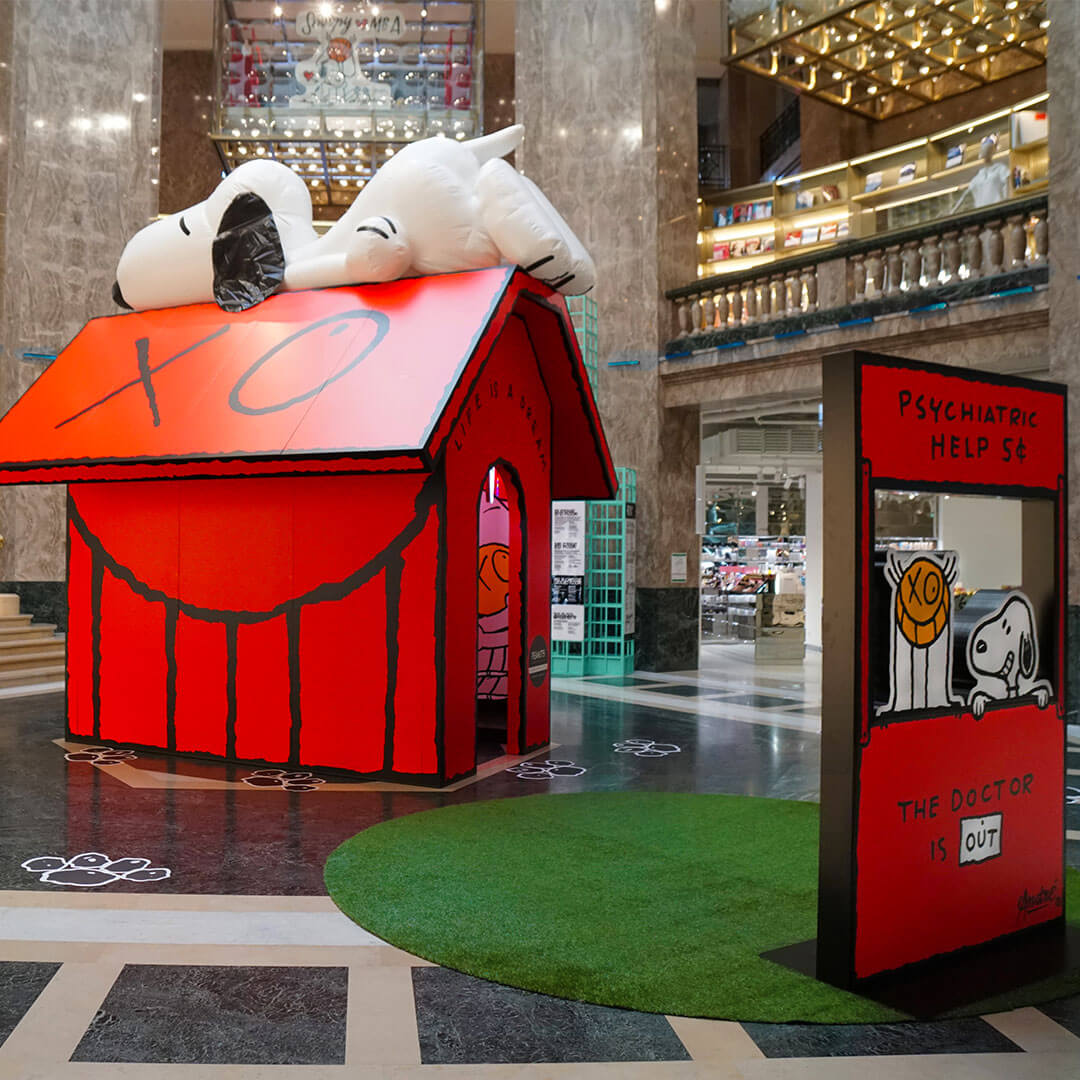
[{"x": 118, "y": 296}]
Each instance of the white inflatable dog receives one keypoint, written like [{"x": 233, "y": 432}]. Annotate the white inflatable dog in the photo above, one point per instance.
[
  {"x": 437, "y": 206},
  {"x": 1003, "y": 655}
]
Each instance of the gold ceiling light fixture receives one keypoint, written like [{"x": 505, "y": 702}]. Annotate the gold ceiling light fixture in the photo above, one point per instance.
[{"x": 886, "y": 57}]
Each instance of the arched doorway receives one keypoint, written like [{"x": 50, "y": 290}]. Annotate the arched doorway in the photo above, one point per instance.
[{"x": 499, "y": 621}]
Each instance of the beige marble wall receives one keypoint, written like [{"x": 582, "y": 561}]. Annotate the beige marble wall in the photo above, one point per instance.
[
  {"x": 607, "y": 93},
  {"x": 1063, "y": 82},
  {"x": 80, "y": 106}
]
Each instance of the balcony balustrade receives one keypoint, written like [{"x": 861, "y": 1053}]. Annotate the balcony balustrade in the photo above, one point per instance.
[{"x": 990, "y": 251}]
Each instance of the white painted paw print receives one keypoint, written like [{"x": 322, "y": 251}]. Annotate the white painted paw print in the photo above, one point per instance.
[
  {"x": 546, "y": 770},
  {"x": 286, "y": 781},
  {"x": 646, "y": 748},
  {"x": 1072, "y": 796},
  {"x": 100, "y": 755},
  {"x": 92, "y": 868}
]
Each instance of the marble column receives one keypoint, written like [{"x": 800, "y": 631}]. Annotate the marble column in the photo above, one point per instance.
[
  {"x": 1063, "y": 82},
  {"x": 606, "y": 90},
  {"x": 80, "y": 87}
]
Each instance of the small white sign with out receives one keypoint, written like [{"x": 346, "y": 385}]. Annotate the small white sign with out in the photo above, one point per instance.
[{"x": 980, "y": 838}]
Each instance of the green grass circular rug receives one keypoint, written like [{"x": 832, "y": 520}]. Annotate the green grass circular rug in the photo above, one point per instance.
[{"x": 649, "y": 901}]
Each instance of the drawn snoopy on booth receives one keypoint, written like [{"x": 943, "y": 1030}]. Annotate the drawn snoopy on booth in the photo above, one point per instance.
[
  {"x": 437, "y": 206},
  {"x": 921, "y": 630},
  {"x": 1003, "y": 656}
]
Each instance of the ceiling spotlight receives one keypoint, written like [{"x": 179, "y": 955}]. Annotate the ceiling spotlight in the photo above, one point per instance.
[
  {"x": 981, "y": 47},
  {"x": 909, "y": 12},
  {"x": 924, "y": 70},
  {"x": 278, "y": 12},
  {"x": 837, "y": 74},
  {"x": 872, "y": 88},
  {"x": 800, "y": 59},
  {"x": 853, "y": 36}
]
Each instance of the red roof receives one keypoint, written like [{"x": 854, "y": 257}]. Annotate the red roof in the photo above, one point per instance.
[{"x": 352, "y": 379}]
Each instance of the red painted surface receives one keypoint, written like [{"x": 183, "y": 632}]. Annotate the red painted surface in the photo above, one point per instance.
[
  {"x": 918, "y": 425},
  {"x": 914, "y": 900},
  {"x": 292, "y": 578}
]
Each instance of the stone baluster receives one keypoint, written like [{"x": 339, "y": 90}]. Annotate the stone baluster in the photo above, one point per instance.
[
  {"x": 1040, "y": 239},
  {"x": 950, "y": 244},
  {"x": 685, "y": 312},
  {"x": 993, "y": 248},
  {"x": 875, "y": 275},
  {"x": 735, "y": 307},
  {"x": 764, "y": 297},
  {"x": 970, "y": 252},
  {"x": 893, "y": 270},
  {"x": 708, "y": 309},
  {"x": 749, "y": 303},
  {"x": 793, "y": 291},
  {"x": 910, "y": 261},
  {"x": 777, "y": 302},
  {"x": 809, "y": 287},
  {"x": 721, "y": 309},
  {"x": 930, "y": 259},
  {"x": 858, "y": 279},
  {"x": 1015, "y": 243}
]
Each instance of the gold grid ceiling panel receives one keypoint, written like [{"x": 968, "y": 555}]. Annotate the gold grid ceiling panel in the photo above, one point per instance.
[{"x": 885, "y": 57}]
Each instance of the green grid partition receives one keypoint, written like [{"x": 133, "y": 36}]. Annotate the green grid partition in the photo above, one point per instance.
[
  {"x": 610, "y": 533},
  {"x": 583, "y": 315}
]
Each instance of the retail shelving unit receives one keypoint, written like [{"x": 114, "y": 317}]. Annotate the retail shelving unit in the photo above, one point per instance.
[{"x": 893, "y": 188}]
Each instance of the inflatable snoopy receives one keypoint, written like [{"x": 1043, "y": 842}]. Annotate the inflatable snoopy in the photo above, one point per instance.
[{"x": 437, "y": 206}]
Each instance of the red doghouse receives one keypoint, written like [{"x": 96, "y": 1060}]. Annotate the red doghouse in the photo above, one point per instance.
[{"x": 290, "y": 575}]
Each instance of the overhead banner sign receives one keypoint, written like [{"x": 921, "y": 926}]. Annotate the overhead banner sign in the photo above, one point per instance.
[{"x": 942, "y": 817}]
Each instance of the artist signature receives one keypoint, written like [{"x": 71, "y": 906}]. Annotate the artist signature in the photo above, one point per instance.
[{"x": 1029, "y": 903}]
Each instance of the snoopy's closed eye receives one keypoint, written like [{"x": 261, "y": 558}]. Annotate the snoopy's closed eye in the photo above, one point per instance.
[{"x": 183, "y": 227}]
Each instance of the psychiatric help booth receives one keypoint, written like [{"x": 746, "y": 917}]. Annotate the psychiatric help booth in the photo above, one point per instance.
[
  {"x": 273, "y": 517},
  {"x": 942, "y": 821}
]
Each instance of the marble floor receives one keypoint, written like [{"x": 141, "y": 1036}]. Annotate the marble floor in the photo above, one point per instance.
[{"x": 207, "y": 947}]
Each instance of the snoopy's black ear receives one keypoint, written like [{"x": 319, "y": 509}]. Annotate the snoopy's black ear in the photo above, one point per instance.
[
  {"x": 249, "y": 261},
  {"x": 1027, "y": 655}
]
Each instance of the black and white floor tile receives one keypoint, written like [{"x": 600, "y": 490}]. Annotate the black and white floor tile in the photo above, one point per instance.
[{"x": 234, "y": 958}]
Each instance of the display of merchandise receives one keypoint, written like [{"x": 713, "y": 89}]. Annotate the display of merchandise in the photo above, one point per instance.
[
  {"x": 748, "y": 582},
  {"x": 892, "y": 188}
]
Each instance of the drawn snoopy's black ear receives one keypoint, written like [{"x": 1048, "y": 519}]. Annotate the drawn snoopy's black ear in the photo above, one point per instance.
[
  {"x": 249, "y": 261},
  {"x": 1027, "y": 655}
]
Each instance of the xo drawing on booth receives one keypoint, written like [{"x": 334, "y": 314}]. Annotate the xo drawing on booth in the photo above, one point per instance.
[{"x": 943, "y": 719}]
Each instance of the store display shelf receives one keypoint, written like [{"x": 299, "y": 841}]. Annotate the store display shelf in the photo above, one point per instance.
[
  {"x": 865, "y": 197},
  {"x": 1030, "y": 189},
  {"x": 967, "y": 170},
  {"x": 1035, "y": 144}
]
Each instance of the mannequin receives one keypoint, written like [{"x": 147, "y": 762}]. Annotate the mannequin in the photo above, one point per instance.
[{"x": 991, "y": 183}]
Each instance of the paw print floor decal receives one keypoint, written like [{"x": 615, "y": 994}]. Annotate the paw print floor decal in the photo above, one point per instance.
[
  {"x": 1072, "y": 796},
  {"x": 287, "y": 781},
  {"x": 646, "y": 748},
  {"x": 92, "y": 868},
  {"x": 545, "y": 770},
  {"x": 101, "y": 755}
]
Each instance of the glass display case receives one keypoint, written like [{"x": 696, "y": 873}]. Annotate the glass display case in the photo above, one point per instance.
[{"x": 332, "y": 91}]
